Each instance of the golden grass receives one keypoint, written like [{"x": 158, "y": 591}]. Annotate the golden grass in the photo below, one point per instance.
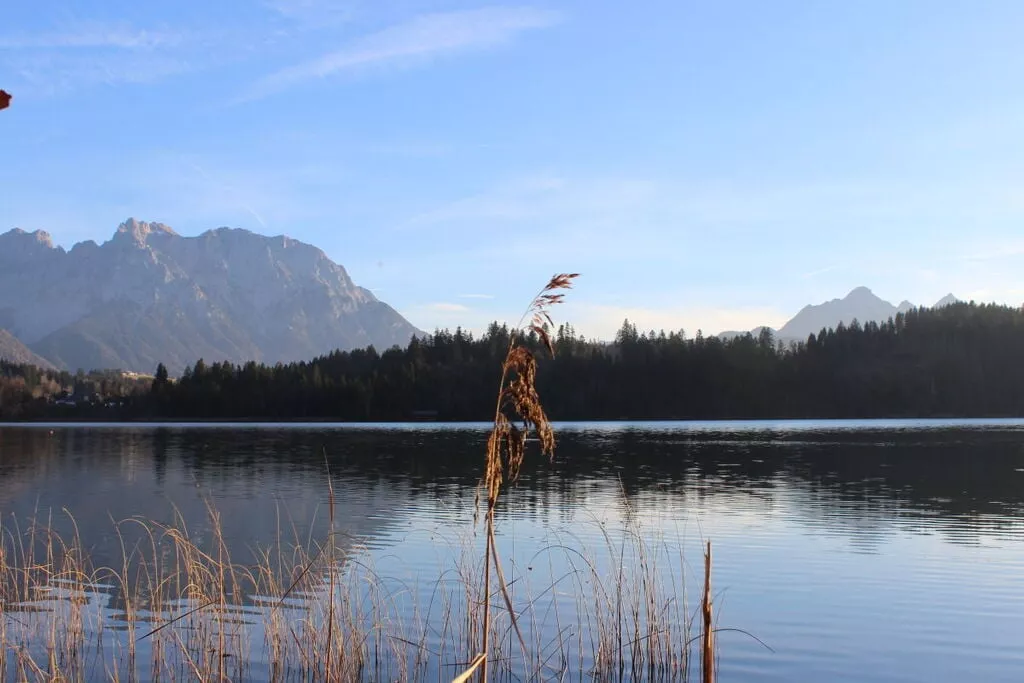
[
  {"x": 182, "y": 609},
  {"x": 323, "y": 613}
]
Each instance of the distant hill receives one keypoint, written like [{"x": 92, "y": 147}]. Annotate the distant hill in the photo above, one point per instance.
[
  {"x": 12, "y": 350},
  {"x": 732, "y": 334},
  {"x": 149, "y": 295},
  {"x": 861, "y": 304}
]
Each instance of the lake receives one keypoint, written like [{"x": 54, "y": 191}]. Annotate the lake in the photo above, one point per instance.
[{"x": 855, "y": 551}]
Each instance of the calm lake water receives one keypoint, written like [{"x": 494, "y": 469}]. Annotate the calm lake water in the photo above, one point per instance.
[{"x": 858, "y": 551}]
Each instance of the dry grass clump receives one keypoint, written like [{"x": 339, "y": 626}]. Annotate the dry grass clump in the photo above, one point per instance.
[
  {"x": 180, "y": 609},
  {"x": 196, "y": 613}
]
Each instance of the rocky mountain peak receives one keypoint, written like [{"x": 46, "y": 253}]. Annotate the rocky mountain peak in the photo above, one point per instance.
[
  {"x": 226, "y": 232},
  {"x": 139, "y": 231},
  {"x": 18, "y": 246},
  {"x": 40, "y": 237}
]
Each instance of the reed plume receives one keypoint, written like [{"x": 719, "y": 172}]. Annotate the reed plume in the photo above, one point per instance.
[{"x": 518, "y": 412}]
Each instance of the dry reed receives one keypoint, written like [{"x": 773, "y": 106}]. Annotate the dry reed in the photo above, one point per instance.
[
  {"x": 177, "y": 608},
  {"x": 506, "y": 446},
  {"x": 518, "y": 413}
]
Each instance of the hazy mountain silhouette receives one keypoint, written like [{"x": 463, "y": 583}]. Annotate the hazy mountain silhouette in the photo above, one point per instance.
[{"x": 861, "y": 304}]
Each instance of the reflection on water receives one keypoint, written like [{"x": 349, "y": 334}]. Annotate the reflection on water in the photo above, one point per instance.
[{"x": 858, "y": 551}]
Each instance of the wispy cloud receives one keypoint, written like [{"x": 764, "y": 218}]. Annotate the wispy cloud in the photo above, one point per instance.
[
  {"x": 312, "y": 10},
  {"x": 91, "y": 53},
  {"x": 821, "y": 271},
  {"x": 94, "y": 35},
  {"x": 446, "y": 307},
  {"x": 53, "y": 74},
  {"x": 413, "y": 42}
]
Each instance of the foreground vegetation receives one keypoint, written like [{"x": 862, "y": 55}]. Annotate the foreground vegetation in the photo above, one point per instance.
[
  {"x": 179, "y": 608},
  {"x": 959, "y": 360},
  {"x": 324, "y": 613}
]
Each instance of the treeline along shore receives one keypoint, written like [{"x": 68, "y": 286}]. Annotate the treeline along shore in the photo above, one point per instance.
[{"x": 961, "y": 360}]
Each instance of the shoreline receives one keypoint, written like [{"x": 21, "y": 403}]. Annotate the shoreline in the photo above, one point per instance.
[{"x": 801, "y": 421}]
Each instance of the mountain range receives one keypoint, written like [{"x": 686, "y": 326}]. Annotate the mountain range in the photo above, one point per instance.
[
  {"x": 861, "y": 304},
  {"x": 149, "y": 295}
]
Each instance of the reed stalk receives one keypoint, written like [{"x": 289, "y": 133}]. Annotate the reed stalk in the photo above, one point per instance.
[
  {"x": 517, "y": 401},
  {"x": 708, "y": 639}
]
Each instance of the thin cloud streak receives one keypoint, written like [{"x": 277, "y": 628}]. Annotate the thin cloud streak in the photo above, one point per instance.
[
  {"x": 90, "y": 53},
  {"x": 94, "y": 35},
  {"x": 319, "y": 11},
  {"x": 821, "y": 271},
  {"x": 54, "y": 74},
  {"x": 420, "y": 39}
]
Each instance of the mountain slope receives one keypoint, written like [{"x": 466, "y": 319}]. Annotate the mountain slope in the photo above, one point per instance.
[
  {"x": 13, "y": 351},
  {"x": 149, "y": 295}
]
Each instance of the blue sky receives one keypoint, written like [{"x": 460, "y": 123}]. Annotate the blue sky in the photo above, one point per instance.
[{"x": 711, "y": 165}]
